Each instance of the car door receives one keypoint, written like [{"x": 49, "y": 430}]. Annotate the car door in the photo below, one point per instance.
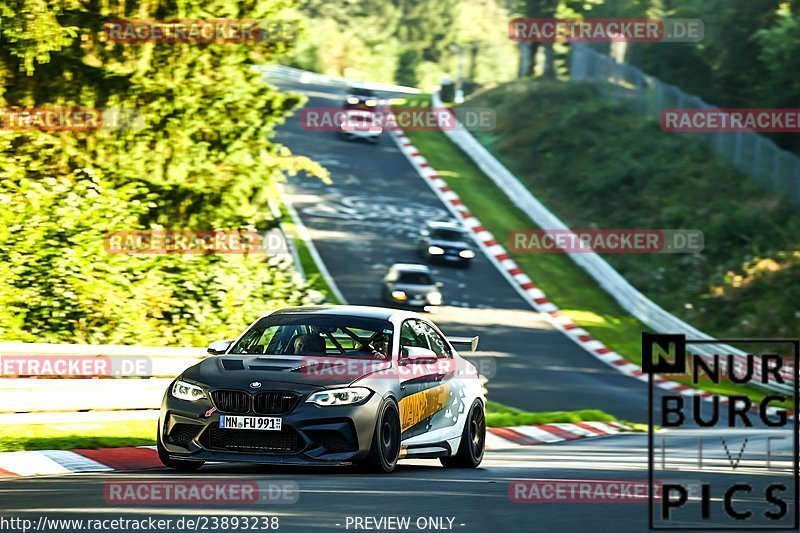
[
  {"x": 424, "y": 388},
  {"x": 448, "y": 421}
]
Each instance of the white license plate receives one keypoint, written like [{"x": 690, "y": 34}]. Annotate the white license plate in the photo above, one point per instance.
[{"x": 250, "y": 422}]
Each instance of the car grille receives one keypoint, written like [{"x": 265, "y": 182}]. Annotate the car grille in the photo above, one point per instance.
[
  {"x": 263, "y": 403},
  {"x": 284, "y": 440},
  {"x": 183, "y": 433},
  {"x": 231, "y": 401},
  {"x": 274, "y": 403}
]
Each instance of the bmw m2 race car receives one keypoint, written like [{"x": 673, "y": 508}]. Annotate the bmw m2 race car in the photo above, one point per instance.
[{"x": 362, "y": 386}]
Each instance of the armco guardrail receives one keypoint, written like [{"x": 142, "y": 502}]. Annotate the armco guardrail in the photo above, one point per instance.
[
  {"x": 633, "y": 301},
  {"x": 138, "y": 385},
  {"x": 303, "y": 76}
]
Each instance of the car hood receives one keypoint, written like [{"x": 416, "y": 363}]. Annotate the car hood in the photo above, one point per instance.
[
  {"x": 238, "y": 371},
  {"x": 461, "y": 245},
  {"x": 416, "y": 289}
]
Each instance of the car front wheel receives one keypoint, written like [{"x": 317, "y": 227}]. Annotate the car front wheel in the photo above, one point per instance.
[{"x": 384, "y": 450}]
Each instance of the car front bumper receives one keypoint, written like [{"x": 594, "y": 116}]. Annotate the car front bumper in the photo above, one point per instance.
[
  {"x": 360, "y": 134},
  {"x": 452, "y": 258},
  {"x": 310, "y": 434}
]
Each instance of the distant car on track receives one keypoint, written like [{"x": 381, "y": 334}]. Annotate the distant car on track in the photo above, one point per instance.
[
  {"x": 361, "y": 97},
  {"x": 446, "y": 242},
  {"x": 327, "y": 385},
  {"x": 359, "y": 124},
  {"x": 411, "y": 285}
]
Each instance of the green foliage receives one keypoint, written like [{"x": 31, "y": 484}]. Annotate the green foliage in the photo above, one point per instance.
[
  {"x": 597, "y": 165},
  {"x": 407, "y": 42},
  {"x": 78, "y": 435},
  {"x": 201, "y": 159},
  {"x": 747, "y": 58},
  {"x": 566, "y": 284}
]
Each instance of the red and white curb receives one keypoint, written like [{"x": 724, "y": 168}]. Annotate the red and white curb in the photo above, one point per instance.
[
  {"x": 56, "y": 462},
  {"x": 537, "y": 299},
  {"x": 516, "y": 436},
  {"x": 59, "y": 462}
]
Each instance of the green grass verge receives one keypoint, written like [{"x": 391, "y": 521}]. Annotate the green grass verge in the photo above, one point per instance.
[
  {"x": 310, "y": 268},
  {"x": 89, "y": 435},
  {"x": 499, "y": 415},
  {"x": 595, "y": 163},
  {"x": 567, "y": 285},
  {"x": 59, "y": 436}
]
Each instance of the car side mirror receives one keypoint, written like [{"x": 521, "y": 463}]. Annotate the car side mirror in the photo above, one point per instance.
[
  {"x": 439, "y": 284},
  {"x": 219, "y": 347},
  {"x": 414, "y": 355}
]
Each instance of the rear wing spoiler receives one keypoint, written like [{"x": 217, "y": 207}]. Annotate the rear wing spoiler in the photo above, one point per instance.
[{"x": 471, "y": 341}]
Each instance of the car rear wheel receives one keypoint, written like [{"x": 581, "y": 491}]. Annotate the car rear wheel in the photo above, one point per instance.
[
  {"x": 176, "y": 464},
  {"x": 473, "y": 440},
  {"x": 384, "y": 450}
]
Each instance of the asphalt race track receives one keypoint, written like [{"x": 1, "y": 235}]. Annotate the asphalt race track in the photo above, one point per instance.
[
  {"x": 363, "y": 222},
  {"x": 369, "y": 218},
  {"x": 475, "y": 500}
]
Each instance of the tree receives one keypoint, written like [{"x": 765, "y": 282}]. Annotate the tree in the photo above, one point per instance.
[{"x": 202, "y": 160}]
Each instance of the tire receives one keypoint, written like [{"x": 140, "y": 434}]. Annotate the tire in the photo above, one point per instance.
[
  {"x": 384, "y": 450},
  {"x": 473, "y": 440},
  {"x": 175, "y": 464}
]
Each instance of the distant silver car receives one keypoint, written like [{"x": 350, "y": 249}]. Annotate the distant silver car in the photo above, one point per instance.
[{"x": 411, "y": 285}]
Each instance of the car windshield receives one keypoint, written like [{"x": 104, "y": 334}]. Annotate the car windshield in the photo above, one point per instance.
[
  {"x": 312, "y": 334},
  {"x": 418, "y": 278},
  {"x": 447, "y": 234},
  {"x": 361, "y": 91}
]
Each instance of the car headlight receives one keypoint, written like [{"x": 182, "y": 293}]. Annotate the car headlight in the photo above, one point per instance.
[
  {"x": 466, "y": 254},
  {"x": 371, "y": 103},
  {"x": 435, "y": 250},
  {"x": 348, "y": 396},
  {"x": 435, "y": 298},
  {"x": 186, "y": 391},
  {"x": 352, "y": 100},
  {"x": 399, "y": 295}
]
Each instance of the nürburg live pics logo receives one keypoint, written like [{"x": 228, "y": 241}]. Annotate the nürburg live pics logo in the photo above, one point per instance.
[{"x": 721, "y": 411}]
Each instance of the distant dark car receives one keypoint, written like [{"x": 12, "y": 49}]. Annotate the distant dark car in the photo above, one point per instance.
[
  {"x": 446, "y": 242},
  {"x": 361, "y": 97},
  {"x": 410, "y": 285}
]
